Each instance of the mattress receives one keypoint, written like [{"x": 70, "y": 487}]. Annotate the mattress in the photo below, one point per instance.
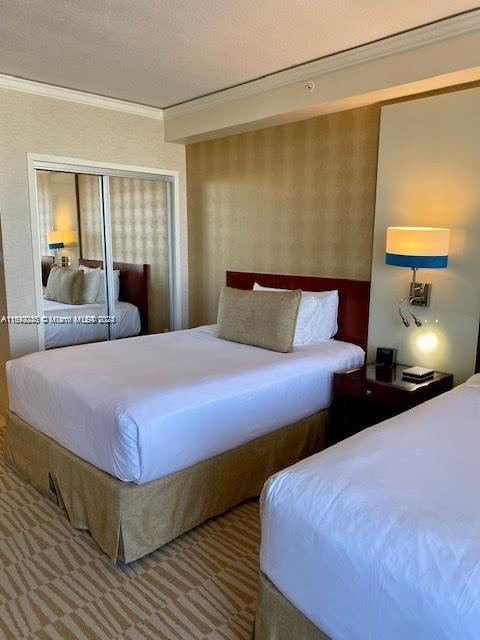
[
  {"x": 59, "y": 334},
  {"x": 145, "y": 407},
  {"x": 379, "y": 536}
]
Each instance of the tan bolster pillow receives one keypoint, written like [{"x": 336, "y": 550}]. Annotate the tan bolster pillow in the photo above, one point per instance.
[
  {"x": 65, "y": 285},
  {"x": 264, "y": 319}
]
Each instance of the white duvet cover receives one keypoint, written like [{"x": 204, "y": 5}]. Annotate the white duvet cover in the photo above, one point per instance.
[
  {"x": 61, "y": 335},
  {"x": 378, "y": 537},
  {"x": 144, "y": 407}
]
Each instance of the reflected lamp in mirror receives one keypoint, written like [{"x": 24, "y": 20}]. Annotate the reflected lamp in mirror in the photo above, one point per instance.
[
  {"x": 55, "y": 242},
  {"x": 69, "y": 237},
  {"x": 417, "y": 248},
  {"x": 58, "y": 240}
]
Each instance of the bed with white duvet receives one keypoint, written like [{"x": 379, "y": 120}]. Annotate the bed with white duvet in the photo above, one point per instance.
[
  {"x": 378, "y": 537},
  {"x": 68, "y": 324},
  {"x": 145, "y": 407},
  {"x": 142, "y": 439}
]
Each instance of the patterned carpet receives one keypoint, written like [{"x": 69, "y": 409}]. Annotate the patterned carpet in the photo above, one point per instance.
[{"x": 56, "y": 585}]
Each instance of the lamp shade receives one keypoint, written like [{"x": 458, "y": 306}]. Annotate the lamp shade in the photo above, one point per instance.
[
  {"x": 55, "y": 240},
  {"x": 417, "y": 247},
  {"x": 69, "y": 236}
]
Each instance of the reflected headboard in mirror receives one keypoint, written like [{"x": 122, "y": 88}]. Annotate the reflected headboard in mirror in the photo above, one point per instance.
[
  {"x": 47, "y": 262},
  {"x": 354, "y": 298},
  {"x": 133, "y": 285},
  {"x": 477, "y": 362}
]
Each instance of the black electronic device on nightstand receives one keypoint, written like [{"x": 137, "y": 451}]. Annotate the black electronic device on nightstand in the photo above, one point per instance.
[{"x": 386, "y": 357}]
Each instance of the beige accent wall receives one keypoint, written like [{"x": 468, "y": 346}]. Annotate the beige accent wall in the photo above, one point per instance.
[
  {"x": 428, "y": 175},
  {"x": 297, "y": 198},
  {"x": 42, "y": 125}
]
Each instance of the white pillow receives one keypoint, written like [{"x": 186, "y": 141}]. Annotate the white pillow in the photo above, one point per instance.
[
  {"x": 101, "y": 289},
  {"x": 91, "y": 285},
  {"x": 116, "y": 285},
  {"x": 317, "y": 315}
]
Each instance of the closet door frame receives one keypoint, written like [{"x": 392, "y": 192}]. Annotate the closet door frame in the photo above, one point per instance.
[{"x": 104, "y": 171}]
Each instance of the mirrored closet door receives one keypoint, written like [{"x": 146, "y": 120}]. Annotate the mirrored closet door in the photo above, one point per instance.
[
  {"x": 140, "y": 224},
  {"x": 105, "y": 256},
  {"x": 71, "y": 287}
]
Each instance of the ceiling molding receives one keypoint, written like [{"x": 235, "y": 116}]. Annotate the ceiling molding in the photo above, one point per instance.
[
  {"x": 421, "y": 36},
  {"x": 78, "y": 97}
]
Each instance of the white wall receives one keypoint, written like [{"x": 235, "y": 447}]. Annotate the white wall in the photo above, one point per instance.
[
  {"x": 429, "y": 175},
  {"x": 38, "y": 124}
]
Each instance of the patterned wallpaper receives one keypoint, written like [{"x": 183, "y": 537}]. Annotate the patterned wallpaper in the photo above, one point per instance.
[
  {"x": 89, "y": 203},
  {"x": 297, "y": 198},
  {"x": 45, "y": 210},
  {"x": 140, "y": 235}
]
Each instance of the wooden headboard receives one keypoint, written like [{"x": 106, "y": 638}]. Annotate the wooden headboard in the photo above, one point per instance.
[
  {"x": 477, "y": 361},
  {"x": 47, "y": 262},
  {"x": 133, "y": 285},
  {"x": 354, "y": 298}
]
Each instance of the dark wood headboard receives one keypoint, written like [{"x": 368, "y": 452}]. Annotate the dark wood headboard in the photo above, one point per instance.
[
  {"x": 354, "y": 298},
  {"x": 477, "y": 361},
  {"x": 47, "y": 262},
  {"x": 133, "y": 285}
]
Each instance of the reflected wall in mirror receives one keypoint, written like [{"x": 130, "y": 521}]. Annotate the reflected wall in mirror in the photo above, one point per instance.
[
  {"x": 139, "y": 219},
  {"x": 78, "y": 227},
  {"x": 58, "y": 215}
]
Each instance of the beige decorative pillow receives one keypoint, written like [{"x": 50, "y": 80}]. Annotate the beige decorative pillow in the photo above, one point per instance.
[
  {"x": 65, "y": 285},
  {"x": 264, "y": 319}
]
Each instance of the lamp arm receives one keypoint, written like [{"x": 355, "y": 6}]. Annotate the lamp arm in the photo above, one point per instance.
[
  {"x": 417, "y": 321},
  {"x": 404, "y": 319},
  {"x": 414, "y": 276}
]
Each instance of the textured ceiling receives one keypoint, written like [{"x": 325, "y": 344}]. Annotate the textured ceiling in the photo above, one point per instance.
[{"x": 162, "y": 52}]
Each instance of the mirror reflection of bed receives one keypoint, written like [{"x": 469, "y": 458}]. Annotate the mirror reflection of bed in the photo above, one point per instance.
[
  {"x": 131, "y": 308},
  {"x": 76, "y": 232}
]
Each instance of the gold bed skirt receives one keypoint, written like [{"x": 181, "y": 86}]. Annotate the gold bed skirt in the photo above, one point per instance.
[
  {"x": 129, "y": 521},
  {"x": 278, "y": 619}
]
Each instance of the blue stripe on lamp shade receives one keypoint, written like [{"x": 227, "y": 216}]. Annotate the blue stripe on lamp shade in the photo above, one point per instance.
[
  {"x": 416, "y": 262},
  {"x": 56, "y": 245}
]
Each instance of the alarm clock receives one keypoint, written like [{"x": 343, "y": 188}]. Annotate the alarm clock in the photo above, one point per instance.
[{"x": 386, "y": 357}]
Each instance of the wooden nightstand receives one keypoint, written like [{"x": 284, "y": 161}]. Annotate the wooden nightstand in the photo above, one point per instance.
[{"x": 368, "y": 395}]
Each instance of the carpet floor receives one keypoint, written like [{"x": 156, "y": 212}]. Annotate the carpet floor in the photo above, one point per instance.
[{"x": 55, "y": 584}]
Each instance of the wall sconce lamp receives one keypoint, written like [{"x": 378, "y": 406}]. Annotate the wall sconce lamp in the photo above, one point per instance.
[{"x": 417, "y": 248}]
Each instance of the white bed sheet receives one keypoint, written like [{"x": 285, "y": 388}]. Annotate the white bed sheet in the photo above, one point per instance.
[
  {"x": 144, "y": 407},
  {"x": 61, "y": 335},
  {"x": 378, "y": 537}
]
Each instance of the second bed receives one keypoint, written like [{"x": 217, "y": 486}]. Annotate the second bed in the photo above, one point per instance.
[{"x": 379, "y": 536}]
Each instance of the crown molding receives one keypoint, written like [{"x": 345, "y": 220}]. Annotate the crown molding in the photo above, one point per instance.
[
  {"x": 406, "y": 41},
  {"x": 78, "y": 97}
]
